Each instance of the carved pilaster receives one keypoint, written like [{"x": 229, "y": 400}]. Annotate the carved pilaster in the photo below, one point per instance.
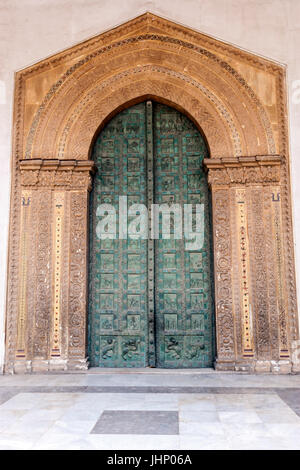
[
  {"x": 42, "y": 279},
  {"x": 223, "y": 282},
  {"x": 284, "y": 347},
  {"x": 246, "y": 299},
  {"x": 57, "y": 294},
  {"x": 58, "y": 211},
  {"x": 241, "y": 188},
  {"x": 78, "y": 279},
  {"x": 271, "y": 271},
  {"x": 251, "y": 311},
  {"x": 259, "y": 272},
  {"x": 21, "y": 347}
]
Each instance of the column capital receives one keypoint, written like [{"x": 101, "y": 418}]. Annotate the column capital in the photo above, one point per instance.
[
  {"x": 57, "y": 174},
  {"x": 263, "y": 169}
]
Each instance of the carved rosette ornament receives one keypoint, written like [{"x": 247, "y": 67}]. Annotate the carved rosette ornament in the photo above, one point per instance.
[
  {"x": 55, "y": 194},
  {"x": 251, "y": 187}
]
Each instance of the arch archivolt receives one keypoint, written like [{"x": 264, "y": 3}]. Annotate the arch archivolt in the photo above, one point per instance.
[
  {"x": 150, "y": 83},
  {"x": 209, "y": 80},
  {"x": 151, "y": 58}
]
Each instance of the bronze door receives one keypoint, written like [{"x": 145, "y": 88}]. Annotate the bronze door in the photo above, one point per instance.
[{"x": 150, "y": 301}]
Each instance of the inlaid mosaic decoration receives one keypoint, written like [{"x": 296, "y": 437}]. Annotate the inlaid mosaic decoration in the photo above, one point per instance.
[{"x": 217, "y": 130}]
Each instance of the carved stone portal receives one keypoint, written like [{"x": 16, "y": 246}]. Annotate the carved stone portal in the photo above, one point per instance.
[{"x": 238, "y": 101}]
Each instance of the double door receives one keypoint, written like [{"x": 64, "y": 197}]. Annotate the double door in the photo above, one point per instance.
[{"x": 150, "y": 300}]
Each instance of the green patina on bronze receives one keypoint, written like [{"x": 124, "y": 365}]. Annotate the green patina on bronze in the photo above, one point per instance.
[{"x": 150, "y": 302}]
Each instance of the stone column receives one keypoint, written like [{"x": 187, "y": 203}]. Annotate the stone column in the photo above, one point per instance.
[
  {"x": 52, "y": 312},
  {"x": 251, "y": 310}
]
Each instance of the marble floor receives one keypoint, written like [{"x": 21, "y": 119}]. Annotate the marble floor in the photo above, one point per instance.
[{"x": 155, "y": 410}]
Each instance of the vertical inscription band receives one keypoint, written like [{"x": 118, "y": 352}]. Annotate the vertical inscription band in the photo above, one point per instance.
[
  {"x": 245, "y": 276},
  {"x": 25, "y": 219},
  {"x": 57, "y": 245}
]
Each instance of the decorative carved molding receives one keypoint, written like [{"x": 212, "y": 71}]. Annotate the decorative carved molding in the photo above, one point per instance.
[
  {"x": 242, "y": 237},
  {"x": 78, "y": 276},
  {"x": 280, "y": 271},
  {"x": 26, "y": 213},
  {"x": 43, "y": 268},
  {"x": 57, "y": 174},
  {"x": 259, "y": 303},
  {"x": 87, "y": 103},
  {"x": 270, "y": 268},
  {"x": 58, "y": 211},
  {"x": 259, "y": 271},
  {"x": 88, "y": 84},
  {"x": 219, "y": 66},
  {"x": 223, "y": 280},
  {"x": 243, "y": 170}
]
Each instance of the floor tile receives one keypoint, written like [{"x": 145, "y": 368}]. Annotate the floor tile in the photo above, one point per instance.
[
  {"x": 244, "y": 417},
  {"x": 202, "y": 429},
  {"x": 204, "y": 443},
  {"x": 73, "y": 427},
  {"x": 169, "y": 410},
  {"x": 284, "y": 430},
  {"x": 54, "y": 441},
  {"x": 199, "y": 416},
  {"x": 245, "y": 431},
  {"x": 11, "y": 414},
  {"x": 22, "y": 401},
  {"x": 137, "y": 422},
  {"x": 257, "y": 443},
  {"x": 278, "y": 416},
  {"x": 74, "y": 413},
  {"x": 134, "y": 442},
  {"x": 17, "y": 441},
  {"x": 197, "y": 403}
]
